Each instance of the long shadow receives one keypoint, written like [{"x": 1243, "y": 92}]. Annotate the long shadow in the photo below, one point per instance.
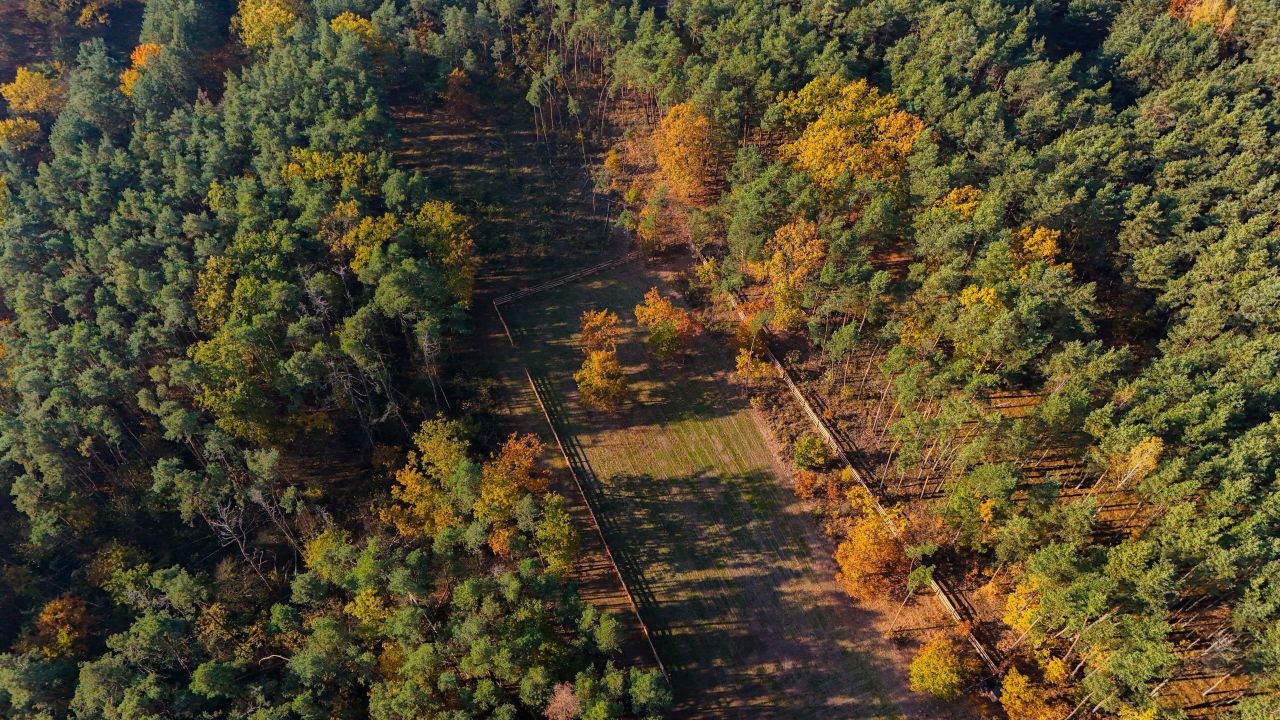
[{"x": 722, "y": 573}]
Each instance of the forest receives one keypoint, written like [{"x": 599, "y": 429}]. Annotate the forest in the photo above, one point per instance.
[{"x": 1001, "y": 279}]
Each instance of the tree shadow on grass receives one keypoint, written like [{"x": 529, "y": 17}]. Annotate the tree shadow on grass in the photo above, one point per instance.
[
  {"x": 741, "y": 604},
  {"x": 743, "y": 617}
]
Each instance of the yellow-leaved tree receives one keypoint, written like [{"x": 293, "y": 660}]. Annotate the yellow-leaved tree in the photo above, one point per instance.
[
  {"x": 436, "y": 226},
  {"x": 365, "y": 237},
  {"x": 847, "y": 127},
  {"x": 350, "y": 170},
  {"x": 446, "y": 234},
  {"x": 794, "y": 254},
  {"x": 260, "y": 23},
  {"x": 940, "y": 670},
  {"x": 684, "y": 148},
  {"x": 963, "y": 201},
  {"x": 1038, "y": 244},
  {"x": 1025, "y": 700},
  {"x": 34, "y": 92},
  {"x": 20, "y": 132},
  {"x": 361, "y": 27},
  {"x": 422, "y": 503},
  {"x": 600, "y": 380}
]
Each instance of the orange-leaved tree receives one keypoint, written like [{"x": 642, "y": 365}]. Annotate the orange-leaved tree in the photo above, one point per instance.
[
  {"x": 1221, "y": 14},
  {"x": 504, "y": 480},
  {"x": 62, "y": 626},
  {"x": 870, "y": 551},
  {"x": 684, "y": 147},
  {"x": 670, "y": 328},
  {"x": 141, "y": 55},
  {"x": 600, "y": 331}
]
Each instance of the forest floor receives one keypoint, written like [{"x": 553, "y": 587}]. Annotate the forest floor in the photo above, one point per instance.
[{"x": 729, "y": 569}]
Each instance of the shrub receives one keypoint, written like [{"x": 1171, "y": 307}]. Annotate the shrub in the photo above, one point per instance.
[
  {"x": 938, "y": 669},
  {"x": 810, "y": 452}
]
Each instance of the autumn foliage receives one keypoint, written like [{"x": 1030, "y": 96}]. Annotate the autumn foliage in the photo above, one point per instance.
[
  {"x": 963, "y": 201},
  {"x": 361, "y": 27},
  {"x": 600, "y": 331},
  {"x": 139, "y": 58},
  {"x": 62, "y": 626},
  {"x": 261, "y": 23},
  {"x": 849, "y": 128},
  {"x": 34, "y": 92},
  {"x": 940, "y": 670},
  {"x": 794, "y": 254},
  {"x": 685, "y": 149},
  {"x": 19, "y": 132},
  {"x": 600, "y": 380},
  {"x": 1024, "y": 699},
  {"x": 422, "y": 504},
  {"x": 509, "y": 476},
  {"x": 1218, "y": 13},
  {"x": 870, "y": 551},
  {"x": 670, "y": 328},
  {"x": 1038, "y": 244}
]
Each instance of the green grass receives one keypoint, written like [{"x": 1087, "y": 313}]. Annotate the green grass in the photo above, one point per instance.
[{"x": 729, "y": 571}]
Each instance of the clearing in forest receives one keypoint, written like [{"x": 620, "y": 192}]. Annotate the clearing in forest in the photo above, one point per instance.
[{"x": 728, "y": 568}]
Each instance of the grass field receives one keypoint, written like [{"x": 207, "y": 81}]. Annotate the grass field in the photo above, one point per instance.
[{"x": 728, "y": 569}]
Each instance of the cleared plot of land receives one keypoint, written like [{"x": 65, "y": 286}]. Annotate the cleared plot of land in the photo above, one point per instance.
[{"x": 728, "y": 568}]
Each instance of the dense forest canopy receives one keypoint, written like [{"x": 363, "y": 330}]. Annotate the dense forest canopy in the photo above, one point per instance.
[
  {"x": 1079, "y": 196},
  {"x": 211, "y": 267},
  {"x": 207, "y": 277}
]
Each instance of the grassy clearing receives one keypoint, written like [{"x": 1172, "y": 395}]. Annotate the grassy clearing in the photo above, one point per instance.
[{"x": 727, "y": 567}]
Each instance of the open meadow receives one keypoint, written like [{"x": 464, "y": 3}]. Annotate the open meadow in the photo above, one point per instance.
[{"x": 728, "y": 568}]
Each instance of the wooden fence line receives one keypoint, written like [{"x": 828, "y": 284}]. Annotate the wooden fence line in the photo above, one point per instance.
[
  {"x": 562, "y": 280},
  {"x": 940, "y": 591},
  {"x": 577, "y": 481}
]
